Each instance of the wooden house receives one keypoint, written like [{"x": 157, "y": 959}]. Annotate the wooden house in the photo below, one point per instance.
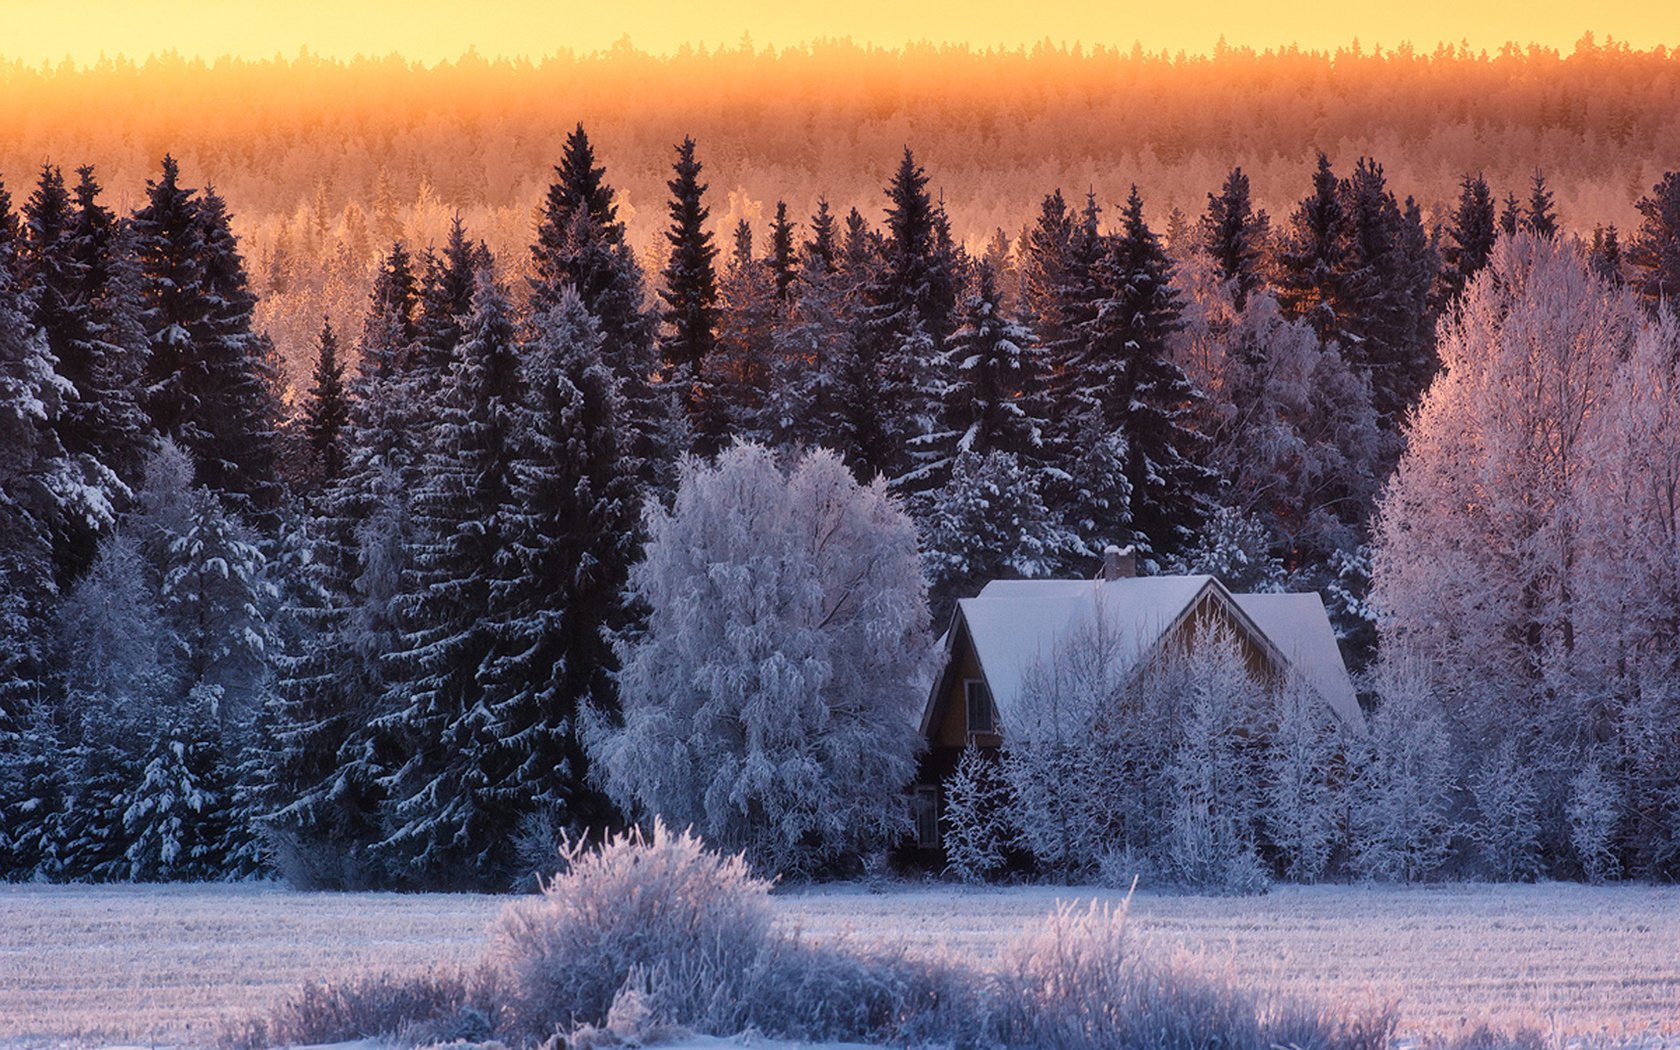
[{"x": 1009, "y": 632}]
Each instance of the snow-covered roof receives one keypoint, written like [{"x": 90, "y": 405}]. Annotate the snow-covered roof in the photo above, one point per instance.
[
  {"x": 1016, "y": 625},
  {"x": 1300, "y": 628}
]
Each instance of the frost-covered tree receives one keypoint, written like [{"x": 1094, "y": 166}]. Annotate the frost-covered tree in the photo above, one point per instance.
[
  {"x": 1480, "y": 541},
  {"x": 812, "y": 345},
  {"x": 1594, "y": 812},
  {"x": 1506, "y": 827},
  {"x": 973, "y": 817},
  {"x": 1234, "y": 236},
  {"x": 770, "y": 703},
  {"x": 988, "y": 522},
  {"x": 1304, "y": 784},
  {"x": 441, "y": 827},
  {"x": 737, "y": 373},
  {"x": 1214, "y": 799},
  {"x": 1403, "y": 783},
  {"x": 571, "y": 535}
]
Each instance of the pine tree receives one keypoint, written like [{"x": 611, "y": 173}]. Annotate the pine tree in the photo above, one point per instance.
[
  {"x": 690, "y": 293},
  {"x": 1654, "y": 255},
  {"x": 1471, "y": 235},
  {"x": 1234, "y": 235},
  {"x": 441, "y": 828},
  {"x": 997, "y": 371},
  {"x": 327, "y": 412},
  {"x": 559, "y": 598},
  {"x": 910, "y": 315}
]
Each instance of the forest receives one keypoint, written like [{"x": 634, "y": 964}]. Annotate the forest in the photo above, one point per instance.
[
  {"x": 539, "y": 546},
  {"x": 326, "y": 162}
]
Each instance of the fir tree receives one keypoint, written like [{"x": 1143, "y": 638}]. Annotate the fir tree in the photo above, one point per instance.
[
  {"x": 690, "y": 293},
  {"x": 996, "y": 368},
  {"x": 1604, "y": 255},
  {"x": 1510, "y": 216},
  {"x": 327, "y": 412},
  {"x": 737, "y": 375},
  {"x": 1310, "y": 256},
  {"x": 821, "y": 251}
]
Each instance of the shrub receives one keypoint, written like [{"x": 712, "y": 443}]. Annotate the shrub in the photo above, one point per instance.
[
  {"x": 636, "y": 906},
  {"x": 440, "y": 1005}
]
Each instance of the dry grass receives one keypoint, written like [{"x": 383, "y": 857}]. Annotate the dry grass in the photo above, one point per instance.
[{"x": 154, "y": 964}]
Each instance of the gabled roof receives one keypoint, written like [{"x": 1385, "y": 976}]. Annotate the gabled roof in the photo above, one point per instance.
[{"x": 1015, "y": 627}]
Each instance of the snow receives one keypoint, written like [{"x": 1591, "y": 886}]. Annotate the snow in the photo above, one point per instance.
[
  {"x": 161, "y": 965},
  {"x": 1016, "y": 624}
]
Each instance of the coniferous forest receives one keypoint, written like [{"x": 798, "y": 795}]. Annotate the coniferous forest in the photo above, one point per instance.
[{"x": 402, "y": 630}]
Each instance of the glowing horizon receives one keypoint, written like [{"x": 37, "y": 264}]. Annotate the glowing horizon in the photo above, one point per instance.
[{"x": 429, "y": 32}]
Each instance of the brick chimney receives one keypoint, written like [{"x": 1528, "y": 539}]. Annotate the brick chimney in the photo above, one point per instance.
[{"x": 1119, "y": 563}]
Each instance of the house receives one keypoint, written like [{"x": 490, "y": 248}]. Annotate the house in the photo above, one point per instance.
[{"x": 999, "y": 639}]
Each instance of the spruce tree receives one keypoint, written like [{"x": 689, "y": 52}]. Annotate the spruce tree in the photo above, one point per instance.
[
  {"x": 33, "y": 474},
  {"x": 1510, "y": 216},
  {"x": 737, "y": 375},
  {"x": 1234, "y": 235},
  {"x": 1131, "y": 387},
  {"x": 559, "y": 599},
  {"x": 1470, "y": 237},
  {"x": 1541, "y": 220},
  {"x": 1605, "y": 254},
  {"x": 169, "y": 242},
  {"x": 1654, "y": 255},
  {"x": 441, "y": 829},
  {"x": 1310, "y": 255},
  {"x": 781, "y": 259},
  {"x": 690, "y": 293},
  {"x": 327, "y": 411},
  {"x": 581, "y": 244},
  {"x": 996, "y": 399},
  {"x": 821, "y": 251}
]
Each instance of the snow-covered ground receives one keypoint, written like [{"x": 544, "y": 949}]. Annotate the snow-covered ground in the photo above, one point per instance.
[{"x": 163, "y": 964}]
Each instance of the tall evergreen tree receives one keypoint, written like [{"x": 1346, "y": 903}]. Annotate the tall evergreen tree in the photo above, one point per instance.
[
  {"x": 781, "y": 259},
  {"x": 1234, "y": 235},
  {"x": 1604, "y": 254},
  {"x": 559, "y": 599},
  {"x": 1654, "y": 254},
  {"x": 690, "y": 293},
  {"x": 581, "y": 244},
  {"x": 1310, "y": 256},
  {"x": 1541, "y": 219},
  {"x": 737, "y": 376},
  {"x": 822, "y": 250},
  {"x": 1510, "y": 216},
  {"x": 1132, "y": 388},
  {"x": 1470, "y": 237},
  {"x": 327, "y": 411},
  {"x": 996, "y": 364},
  {"x": 441, "y": 829}
]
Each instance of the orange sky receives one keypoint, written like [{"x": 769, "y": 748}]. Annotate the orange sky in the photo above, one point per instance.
[{"x": 430, "y": 30}]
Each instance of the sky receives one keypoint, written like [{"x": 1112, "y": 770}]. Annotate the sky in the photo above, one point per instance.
[{"x": 430, "y": 31}]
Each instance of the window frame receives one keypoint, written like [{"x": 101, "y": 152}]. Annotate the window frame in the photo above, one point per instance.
[
  {"x": 926, "y": 812},
  {"x": 971, "y": 686}
]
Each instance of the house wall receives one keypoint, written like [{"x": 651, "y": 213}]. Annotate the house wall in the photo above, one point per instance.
[{"x": 950, "y": 728}]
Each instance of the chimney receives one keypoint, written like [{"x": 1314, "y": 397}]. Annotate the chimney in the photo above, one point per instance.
[{"x": 1119, "y": 563}]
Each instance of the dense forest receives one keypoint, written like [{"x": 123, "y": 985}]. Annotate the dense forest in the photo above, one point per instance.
[
  {"x": 385, "y": 631},
  {"x": 325, "y": 163}
]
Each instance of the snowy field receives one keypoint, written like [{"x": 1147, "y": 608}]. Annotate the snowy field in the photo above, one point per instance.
[{"x": 163, "y": 964}]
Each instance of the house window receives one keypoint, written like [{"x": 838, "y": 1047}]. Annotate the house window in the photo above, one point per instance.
[
  {"x": 981, "y": 717},
  {"x": 926, "y": 810}
]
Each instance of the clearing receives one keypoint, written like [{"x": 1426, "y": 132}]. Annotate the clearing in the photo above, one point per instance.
[{"x": 164, "y": 964}]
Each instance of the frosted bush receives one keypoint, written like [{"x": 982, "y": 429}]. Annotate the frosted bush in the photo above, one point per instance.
[
  {"x": 1081, "y": 982},
  {"x": 636, "y": 905}
]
